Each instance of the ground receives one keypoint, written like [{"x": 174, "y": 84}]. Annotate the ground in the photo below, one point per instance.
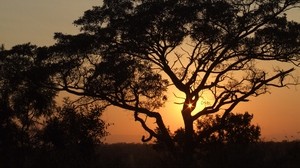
[{"x": 263, "y": 154}]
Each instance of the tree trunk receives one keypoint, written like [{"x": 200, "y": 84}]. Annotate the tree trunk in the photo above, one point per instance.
[
  {"x": 189, "y": 143},
  {"x": 189, "y": 130},
  {"x": 189, "y": 134}
]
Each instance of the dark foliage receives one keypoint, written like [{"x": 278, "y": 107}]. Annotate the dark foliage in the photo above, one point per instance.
[
  {"x": 74, "y": 127},
  {"x": 23, "y": 101},
  {"x": 236, "y": 129},
  {"x": 30, "y": 120},
  {"x": 210, "y": 130},
  {"x": 129, "y": 52}
]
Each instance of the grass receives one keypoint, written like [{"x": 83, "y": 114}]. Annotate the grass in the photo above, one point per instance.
[{"x": 264, "y": 154}]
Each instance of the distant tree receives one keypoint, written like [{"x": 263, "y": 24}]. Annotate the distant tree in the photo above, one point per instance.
[
  {"x": 130, "y": 52},
  {"x": 2, "y": 48}
]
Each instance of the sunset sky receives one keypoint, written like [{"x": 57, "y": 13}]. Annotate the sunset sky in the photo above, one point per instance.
[{"x": 35, "y": 21}]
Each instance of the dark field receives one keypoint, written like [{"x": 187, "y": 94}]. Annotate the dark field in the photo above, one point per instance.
[{"x": 265, "y": 154}]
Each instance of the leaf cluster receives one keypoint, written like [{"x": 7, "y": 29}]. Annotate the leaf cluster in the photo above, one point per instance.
[{"x": 29, "y": 116}]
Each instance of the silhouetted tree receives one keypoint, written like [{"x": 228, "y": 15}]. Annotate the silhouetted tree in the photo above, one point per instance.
[
  {"x": 236, "y": 129},
  {"x": 30, "y": 121},
  {"x": 2, "y": 48},
  {"x": 130, "y": 52},
  {"x": 75, "y": 126},
  {"x": 28, "y": 107},
  {"x": 22, "y": 101}
]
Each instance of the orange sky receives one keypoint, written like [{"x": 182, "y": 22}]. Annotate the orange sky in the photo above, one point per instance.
[{"x": 35, "y": 21}]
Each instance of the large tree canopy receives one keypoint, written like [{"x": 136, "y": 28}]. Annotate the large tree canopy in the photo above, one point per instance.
[{"x": 129, "y": 52}]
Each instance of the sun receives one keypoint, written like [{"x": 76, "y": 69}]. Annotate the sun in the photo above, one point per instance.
[{"x": 190, "y": 105}]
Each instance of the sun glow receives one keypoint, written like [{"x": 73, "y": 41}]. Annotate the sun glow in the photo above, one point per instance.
[
  {"x": 172, "y": 111},
  {"x": 190, "y": 105}
]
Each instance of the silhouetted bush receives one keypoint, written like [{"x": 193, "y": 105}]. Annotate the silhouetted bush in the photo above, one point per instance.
[
  {"x": 75, "y": 126},
  {"x": 235, "y": 128}
]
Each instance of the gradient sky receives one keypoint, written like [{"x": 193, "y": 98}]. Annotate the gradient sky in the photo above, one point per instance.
[{"x": 35, "y": 21}]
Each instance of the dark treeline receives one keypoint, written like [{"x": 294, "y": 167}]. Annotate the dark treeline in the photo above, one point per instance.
[{"x": 263, "y": 155}]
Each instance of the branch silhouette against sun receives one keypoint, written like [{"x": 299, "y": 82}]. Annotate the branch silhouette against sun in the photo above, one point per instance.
[{"x": 130, "y": 52}]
